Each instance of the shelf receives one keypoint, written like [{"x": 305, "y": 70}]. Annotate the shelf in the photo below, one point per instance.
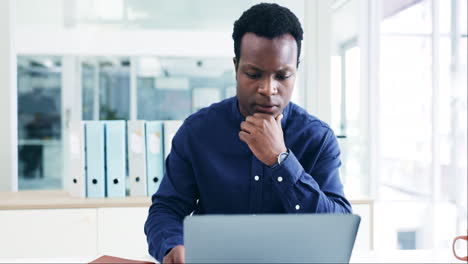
[{"x": 59, "y": 199}]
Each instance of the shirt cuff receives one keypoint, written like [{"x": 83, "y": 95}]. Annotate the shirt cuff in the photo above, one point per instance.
[
  {"x": 285, "y": 177},
  {"x": 289, "y": 171}
]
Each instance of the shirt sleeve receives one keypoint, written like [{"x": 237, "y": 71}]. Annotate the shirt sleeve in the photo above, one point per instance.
[
  {"x": 316, "y": 191},
  {"x": 175, "y": 199}
]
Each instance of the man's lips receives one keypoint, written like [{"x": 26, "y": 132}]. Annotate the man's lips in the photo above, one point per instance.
[{"x": 266, "y": 108}]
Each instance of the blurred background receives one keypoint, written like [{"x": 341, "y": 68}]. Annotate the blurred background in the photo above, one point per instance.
[{"x": 389, "y": 76}]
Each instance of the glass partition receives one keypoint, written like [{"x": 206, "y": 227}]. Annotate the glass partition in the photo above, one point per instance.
[
  {"x": 39, "y": 122},
  {"x": 173, "y": 88},
  {"x": 105, "y": 88},
  {"x": 114, "y": 88},
  {"x": 349, "y": 108},
  {"x": 89, "y": 77}
]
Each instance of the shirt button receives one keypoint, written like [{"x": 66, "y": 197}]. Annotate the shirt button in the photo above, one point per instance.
[
  {"x": 297, "y": 207},
  {"x": 256, "y": 178},
  {"x": 280, "y": 179}
]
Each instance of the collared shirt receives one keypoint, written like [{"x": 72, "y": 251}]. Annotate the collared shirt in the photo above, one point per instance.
[{"x": 211, "y": 171}]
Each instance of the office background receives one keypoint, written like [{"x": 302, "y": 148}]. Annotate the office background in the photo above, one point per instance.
[{"x": 388, "y": 75}]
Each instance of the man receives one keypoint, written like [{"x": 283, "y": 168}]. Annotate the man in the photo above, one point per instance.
[{"x": 254, "y": 153}]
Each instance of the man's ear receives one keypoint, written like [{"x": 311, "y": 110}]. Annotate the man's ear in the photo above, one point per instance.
[{"x": 236, "y": 64}]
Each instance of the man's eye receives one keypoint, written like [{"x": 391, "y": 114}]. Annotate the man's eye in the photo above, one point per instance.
[
  {"x": 252, "y": 75},
  {"x": 282, "y": 76}
]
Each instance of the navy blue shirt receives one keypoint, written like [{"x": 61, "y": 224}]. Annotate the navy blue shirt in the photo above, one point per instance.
[{"x": 211, "y": 171}]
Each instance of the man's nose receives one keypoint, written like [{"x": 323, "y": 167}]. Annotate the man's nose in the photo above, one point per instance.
[{"x": 269, "y": 87}]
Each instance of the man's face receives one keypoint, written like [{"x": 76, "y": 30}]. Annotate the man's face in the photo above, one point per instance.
[{"x": 265, "y": 73}]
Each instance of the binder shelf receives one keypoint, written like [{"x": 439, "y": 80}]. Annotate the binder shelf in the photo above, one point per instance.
[{"x": 59, "y": 199}]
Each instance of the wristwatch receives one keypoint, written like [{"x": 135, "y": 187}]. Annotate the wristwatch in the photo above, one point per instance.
[{"x": 282, "y": 156}]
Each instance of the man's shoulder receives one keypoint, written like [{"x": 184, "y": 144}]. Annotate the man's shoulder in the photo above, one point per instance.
[
  {"x": 210, "y": 115},
  {"x": 306, "y": 130},
  {"x": 301, "y": 118}
]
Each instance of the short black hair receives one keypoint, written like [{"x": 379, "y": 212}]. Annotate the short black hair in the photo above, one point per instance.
[{"x": 269, "y": 21}]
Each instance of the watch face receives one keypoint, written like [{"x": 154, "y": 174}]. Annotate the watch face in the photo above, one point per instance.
[{"x": 282, "y": 157}]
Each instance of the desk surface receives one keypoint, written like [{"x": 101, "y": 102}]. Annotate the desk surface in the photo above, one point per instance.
[
  {"x": 60, "y": 199},
  {"x": 72, "y": 259},
  {"x": 392, "y": 256}
]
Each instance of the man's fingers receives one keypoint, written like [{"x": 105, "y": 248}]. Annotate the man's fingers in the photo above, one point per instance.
[
  {"x": 253, "y": 120},
  {"x": 279, "y": 118},
  {"x": 259, "y": 119},
  {"x": 247, "y": 127},
  {"x": 244, "y": 136},
  {"x": 180, "y": 257},
  {"x": 262, "y": 115},
  {"x": 176, "y": 255},
  {"x": 168, "y": 259}
]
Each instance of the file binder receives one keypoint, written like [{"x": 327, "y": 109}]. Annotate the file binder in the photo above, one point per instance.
[
  {"x": 170, "y": 129},
  {"x": 76, "y": 167},
  {"x": 154, "y": 155},
  {"x": 115, "y": 158},
  {"x": 95, "y": 159},
  {"x": 137, "y": 157}
]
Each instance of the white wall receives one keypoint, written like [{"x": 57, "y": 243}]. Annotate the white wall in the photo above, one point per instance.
[
  {"x": 317, "y": 59},
  {"x": 345, "y": 24},
  {"x": 40, "y": 13},
  {"x": 8, "y": 99},
  {"x": 123, "y": 43}
]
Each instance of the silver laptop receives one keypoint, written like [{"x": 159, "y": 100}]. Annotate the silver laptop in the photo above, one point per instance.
[{"x": 281, "y": 238}]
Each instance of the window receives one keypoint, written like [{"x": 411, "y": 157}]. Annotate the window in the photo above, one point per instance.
[
  {"x": 400, "y": 92},
  {"x": 422, "y": 138},
  {"x": 405, "y": 131},
  {"x": 39, "y": 122},
  {"x": 89, "y": 81},
  {"x": 407, "y": 239},
  {"x": 405, "y": 138},
  {"x": 349, "y": 108},
  {"x": 105, "y": 88},
  {"x": 173, "y": 88}
]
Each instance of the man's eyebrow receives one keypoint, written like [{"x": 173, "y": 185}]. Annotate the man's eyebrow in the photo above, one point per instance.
[
  {"x": 285, "y": 68},
  {"x": 251, "y": 66}
]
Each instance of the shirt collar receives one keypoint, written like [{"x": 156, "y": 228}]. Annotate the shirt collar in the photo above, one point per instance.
[{"x": 239, "y": 117}]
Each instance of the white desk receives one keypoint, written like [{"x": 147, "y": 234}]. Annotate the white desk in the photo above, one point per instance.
[
  {"x": 73, "y": 260},
  {"x": 396, "y": 256},
  {"x": 404, "y": 256},
  {"x": 66, "y": 227}
]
